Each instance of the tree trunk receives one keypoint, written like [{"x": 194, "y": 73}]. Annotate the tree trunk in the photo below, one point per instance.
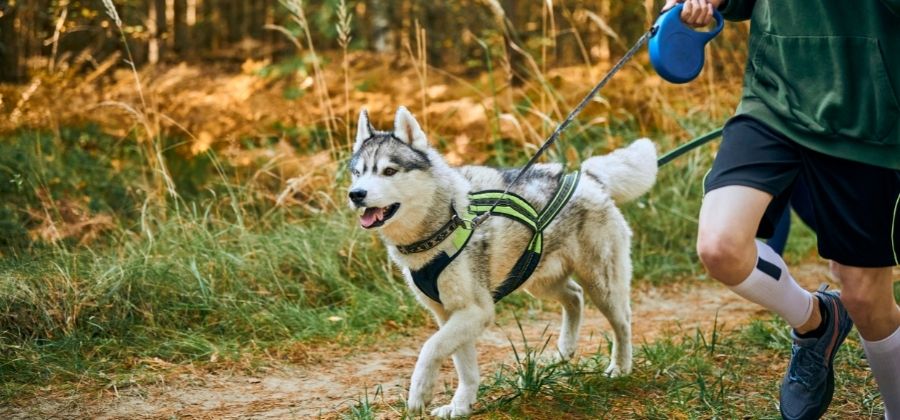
[
  {"x": 271, "y": 37},
  {"x": 511, "y": 22},
  {"x": 212, "y": 24},
  {"x": 27, "y": 27},
  {"x": 259, "y": 19},
  {"x": 382, "y": 37},
  {"x": 603, "y": 52},
  {"x": 156, "y": 24},
  {"x": 161, "y": 27},
  {"x": 181, "y": 39},
  {"x": 10, "y": 70},
  {"x": 233, "y": 21}
]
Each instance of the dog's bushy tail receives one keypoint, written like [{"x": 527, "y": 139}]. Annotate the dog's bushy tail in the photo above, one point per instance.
[{"x": 625, "y": 173}]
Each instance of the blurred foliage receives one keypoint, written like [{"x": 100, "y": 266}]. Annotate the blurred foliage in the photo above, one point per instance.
[
  {"x": 78, "y": 171},
  {"x": 53, "y": 32},
  {"x": 70, "y": 178}
]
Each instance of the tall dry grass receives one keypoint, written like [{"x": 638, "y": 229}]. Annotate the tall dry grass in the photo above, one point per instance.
[
  {"x": 149, "y": 120},
  {"x": 419, "y": 61},
  {"x": 343, "y": 29},
  {"x": 295, "y": 7}
]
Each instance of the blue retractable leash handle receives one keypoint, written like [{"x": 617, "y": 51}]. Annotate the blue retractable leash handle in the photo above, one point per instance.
[{"x": 676, "y": 50}]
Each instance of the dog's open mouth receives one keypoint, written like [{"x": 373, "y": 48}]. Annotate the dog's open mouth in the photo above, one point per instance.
[{"x": 376, "y": 216}]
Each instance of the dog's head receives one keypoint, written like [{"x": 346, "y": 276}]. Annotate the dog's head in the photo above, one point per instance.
[{"x": 391, "y": 172}]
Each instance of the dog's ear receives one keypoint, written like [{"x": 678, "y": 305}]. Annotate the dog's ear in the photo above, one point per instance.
[
  {"x": 364, "y": 130},
  {"x": 407, "y": 129}
]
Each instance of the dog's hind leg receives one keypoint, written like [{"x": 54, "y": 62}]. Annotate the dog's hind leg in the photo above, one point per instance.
[
  {"x": 571, "y": 297},
  {"x": 466, "y": 362},
  {"x": 610, "y": 290}
]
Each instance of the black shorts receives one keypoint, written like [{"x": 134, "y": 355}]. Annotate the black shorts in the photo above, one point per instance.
[{"x": 855, "y": 205}]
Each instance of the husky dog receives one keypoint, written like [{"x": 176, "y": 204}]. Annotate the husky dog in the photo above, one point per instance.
[{"x": 406, "y": 190}]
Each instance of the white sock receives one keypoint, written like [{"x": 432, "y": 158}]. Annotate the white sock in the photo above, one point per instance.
[
  {"x": 884, "y": 358},
  {"x": 771, "y": 286}
]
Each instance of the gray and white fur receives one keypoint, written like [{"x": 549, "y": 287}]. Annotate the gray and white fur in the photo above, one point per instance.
[{"x": 408, "y": 190}]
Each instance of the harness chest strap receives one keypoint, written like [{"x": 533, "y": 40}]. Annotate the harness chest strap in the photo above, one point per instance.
[{"x": 510, "y": 206}]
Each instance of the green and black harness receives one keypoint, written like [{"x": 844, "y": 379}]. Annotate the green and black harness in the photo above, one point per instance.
[{"x": 500, "y": 203}]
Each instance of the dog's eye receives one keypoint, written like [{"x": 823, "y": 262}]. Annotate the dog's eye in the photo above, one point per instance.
[{"x": 389, "y": 171}]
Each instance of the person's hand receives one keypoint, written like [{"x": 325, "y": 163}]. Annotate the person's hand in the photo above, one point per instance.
[{"x": 696, "y": 13}]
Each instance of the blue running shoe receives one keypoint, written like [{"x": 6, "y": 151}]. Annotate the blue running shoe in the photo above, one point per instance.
[{"x": 809, "y": 383}]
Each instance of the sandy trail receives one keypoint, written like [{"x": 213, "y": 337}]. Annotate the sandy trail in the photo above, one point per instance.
[{"x": 334, "y": 384}]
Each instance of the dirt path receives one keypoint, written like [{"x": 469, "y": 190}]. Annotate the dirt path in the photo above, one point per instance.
[{"x": 323, "y": 389}]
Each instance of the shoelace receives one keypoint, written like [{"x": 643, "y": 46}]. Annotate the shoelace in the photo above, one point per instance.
[{"x": 806, "y": 364}]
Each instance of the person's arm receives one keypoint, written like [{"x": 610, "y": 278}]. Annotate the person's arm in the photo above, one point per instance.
[
  {"x": 737, "y": 10},
  {"x": 892, "y": 5}
]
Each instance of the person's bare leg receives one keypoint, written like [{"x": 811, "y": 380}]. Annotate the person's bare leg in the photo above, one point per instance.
[
  {"x": 729, "y": 218},
  {"x": 869, "y": 298},
  {"x": 727, "y": 246}
]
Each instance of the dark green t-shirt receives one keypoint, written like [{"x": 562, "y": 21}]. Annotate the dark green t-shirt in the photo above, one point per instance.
[{"x": 826, "y": 74}]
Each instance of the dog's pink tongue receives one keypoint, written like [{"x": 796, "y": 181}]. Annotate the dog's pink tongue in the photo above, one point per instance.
[{"x": 370, "y": 216}]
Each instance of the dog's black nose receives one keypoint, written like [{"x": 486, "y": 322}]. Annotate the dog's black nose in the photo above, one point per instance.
[{"x": 357, "y": 196}]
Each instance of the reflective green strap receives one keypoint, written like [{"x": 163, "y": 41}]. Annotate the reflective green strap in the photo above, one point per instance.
[
  {"x": 507, "y": 211},
  {"x": 514, "y": 200},
  {"x": 563, "y": 194},
  {"x": 518, "y": 209},
  {"x": 537, "y": 243}
]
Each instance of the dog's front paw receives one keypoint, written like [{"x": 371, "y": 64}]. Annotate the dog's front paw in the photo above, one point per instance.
[
  {"x": 415, "y": 405},
  {"x": 552, "y": 358},
  {"x": 614, "y": 370},
  {"x": 565, "y": 352},
  {"x": 420, "y": 390},
  {"x": 419, "y": 397},
  {"x": 451, "y": 411}
]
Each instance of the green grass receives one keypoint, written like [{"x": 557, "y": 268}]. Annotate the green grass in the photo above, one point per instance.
[
  {"x": 202, "y": 286},
  {"x": 699, "y": 374},
  {"x": 364, "y": 408},
  {"x": 219, "y": 273}
]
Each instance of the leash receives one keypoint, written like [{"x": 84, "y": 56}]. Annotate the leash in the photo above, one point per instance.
[
  {"x": 562, "y": 126},
  {"x": 677, "y": 54},
  {"x": 691, "y": 145}
]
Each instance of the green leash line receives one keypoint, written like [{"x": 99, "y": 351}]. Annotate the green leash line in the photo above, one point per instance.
[{"x": 687, "y": 147}]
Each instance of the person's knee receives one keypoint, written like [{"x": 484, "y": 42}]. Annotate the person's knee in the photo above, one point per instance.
[
  {"x": 720, "y": 253},
  {"x": 729, "y": 218},
  {"x": 860, "y": 294},
  {"x": 833, "y": 270},
  {"x": 859, "y": 305}
]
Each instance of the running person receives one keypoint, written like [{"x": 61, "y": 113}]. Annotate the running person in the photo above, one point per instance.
[{"x": 820, "y": 103}]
